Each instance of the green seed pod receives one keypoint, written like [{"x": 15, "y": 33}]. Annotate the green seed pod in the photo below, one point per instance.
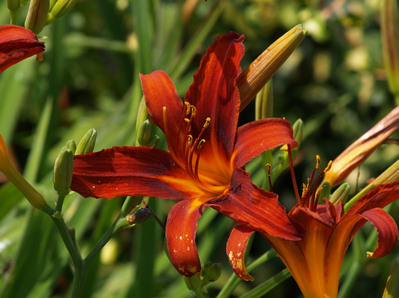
[
  {"x": 63, "y": 168},
  {"x": 87, "y": 142}
]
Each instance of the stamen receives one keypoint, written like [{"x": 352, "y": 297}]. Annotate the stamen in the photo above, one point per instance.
[
  {"x": 316, "y": 194},
  {"x": 293, "y": 174},
  {"x": 269, "y": 176},
  {"x": 188, "y": 110},
  {"x": 199, "y": 146},
  {"x": 164, "y": 120},
  {"x": 328, "y": 167},
  {"x": 193, "y": 111},
  {"x": 310, "y": 181}
]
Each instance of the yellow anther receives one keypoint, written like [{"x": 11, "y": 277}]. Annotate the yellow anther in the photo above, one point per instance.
[
  {"x": 201, "y": 143},
  {"x": 193, "y": 110},
  {"x": 189, "y": 139},
  {"x": 207, "y": 122},
  {"x": 187, "y": 104},
  {"x": 317, "y": 161},
  {"x": 304, "y": 189},
  {"x": 328, "y": 167},
  {"x": 186, "y": 120}
]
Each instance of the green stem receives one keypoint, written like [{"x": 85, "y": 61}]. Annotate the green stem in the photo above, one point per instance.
[
  {"x": 234, "y": 280},
  {"x": 101, "y": 243},
  {"x": 60, "y": 202},
  {"x": 74, "y": 253}
]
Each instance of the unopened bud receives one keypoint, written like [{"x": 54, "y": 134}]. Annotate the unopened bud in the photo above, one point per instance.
[
  {"x": 139, "y": 216},
  {"x": 144, "y": 133},
  {"x": 211, "y": 271},
  {"x": 358, "y": 151},
  {"x": 15, "y": 177},
  {"x": 264, "y": 102},
  {"x": 63, "y": 172},
  {"x": 262, "y": 68},
  {"x": 194, "y": 282},
  {"x": 87, "y": 142},
  {"x": 340, "y": 194},
  {"x": 71, "y": 145},
  {"x": 37, "y": 15},
  {"x": 298, "y": 131},
  {"x": 390, "y": 42},
  {"x": 59, "y": 8}
]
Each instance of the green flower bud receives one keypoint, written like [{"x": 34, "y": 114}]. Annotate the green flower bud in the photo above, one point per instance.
[
  {"x": 144, "y": 133},
  {"x": 37, "y": 15},
  {"x": 63, "y": 172},
  {"x": 59, "y": 8},
  {"x": 340, "y": 194},
  {"x": 71, "y": 145},
  {"x": 298, "y": 131},
  {"x": 211, "y": 271},
  {"x": 87, "y": 142},
  {"x": 324, "y": 191},
  {"x": 194, "y": 282},
  {"x": 391, "y": 287},
  {"x": 264, "y": 102}
]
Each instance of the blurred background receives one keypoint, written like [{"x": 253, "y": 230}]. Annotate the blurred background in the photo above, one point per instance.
[{"x": 334, "y": 81}]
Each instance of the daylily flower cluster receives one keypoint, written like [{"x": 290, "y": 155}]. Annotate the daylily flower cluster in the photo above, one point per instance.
[{"x": 204, "y": 167}]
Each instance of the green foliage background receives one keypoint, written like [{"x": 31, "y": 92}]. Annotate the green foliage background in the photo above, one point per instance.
[{"x": 334, "y": 81}]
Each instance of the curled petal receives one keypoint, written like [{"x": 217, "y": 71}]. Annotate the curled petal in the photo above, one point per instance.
[
  {"x": 122, "y": 171},
  {"x": 164, "y": 106},
  {"x": 16, "y": 44},
  {"x": 235, "y": 250},
  {"x": 255, "y": 137},
  {"x": 387, "y": 231},
  {"x": 214, "y": 91},
  {"x": 256, "y": 208},
  {"x": 181, "y": 228}
]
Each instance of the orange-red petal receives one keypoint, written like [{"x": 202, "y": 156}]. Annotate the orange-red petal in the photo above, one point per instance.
[
  {"x": 256, "y": 208},
  {"x": 255, "y": 137},
  {"x": 181, "y": 228},
  {"x": 165, "y": 108},
  {"x": 16, "y": 44},
  {"x": 235, "y": 250},
  {"x": 215, "y": 94},
  {"x": 386, "y": 228},
  {"x": 122, "y": 171}
]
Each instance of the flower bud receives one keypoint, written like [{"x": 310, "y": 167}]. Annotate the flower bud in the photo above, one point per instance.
[
  {"x": 87, "y": 142},
  {"x": 264, "y": 102},
  {"x": 141, "y": 215},
  {"x": 358, "y": 152},
  {"x": 31, "y": 194},
  {"x": 59, "y": 8},
  {"x": 71, "y": 145},
  {"x": 63, "y": 172},
  {"x": 262, "y": 68},
  {"x": 390, "y": 42},
  {"x": 37, "y": 15},
  {"x": 298, "y": 131},
  {"x": 211, "y": 271},
  {"x": 340, "y": 194},
  {"x": 144, "y": 133}
]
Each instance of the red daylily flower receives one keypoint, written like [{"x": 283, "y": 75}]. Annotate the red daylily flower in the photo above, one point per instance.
[
  {"x": 204, "y": 164},
  {"x": 16, "y": 44},
  {"x": 315, "y": 260}
]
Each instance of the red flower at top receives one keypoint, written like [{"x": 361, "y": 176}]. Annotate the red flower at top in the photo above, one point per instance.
[
  {"x": 207, "y": 153},
  {"x": 16, "y": 44}
]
